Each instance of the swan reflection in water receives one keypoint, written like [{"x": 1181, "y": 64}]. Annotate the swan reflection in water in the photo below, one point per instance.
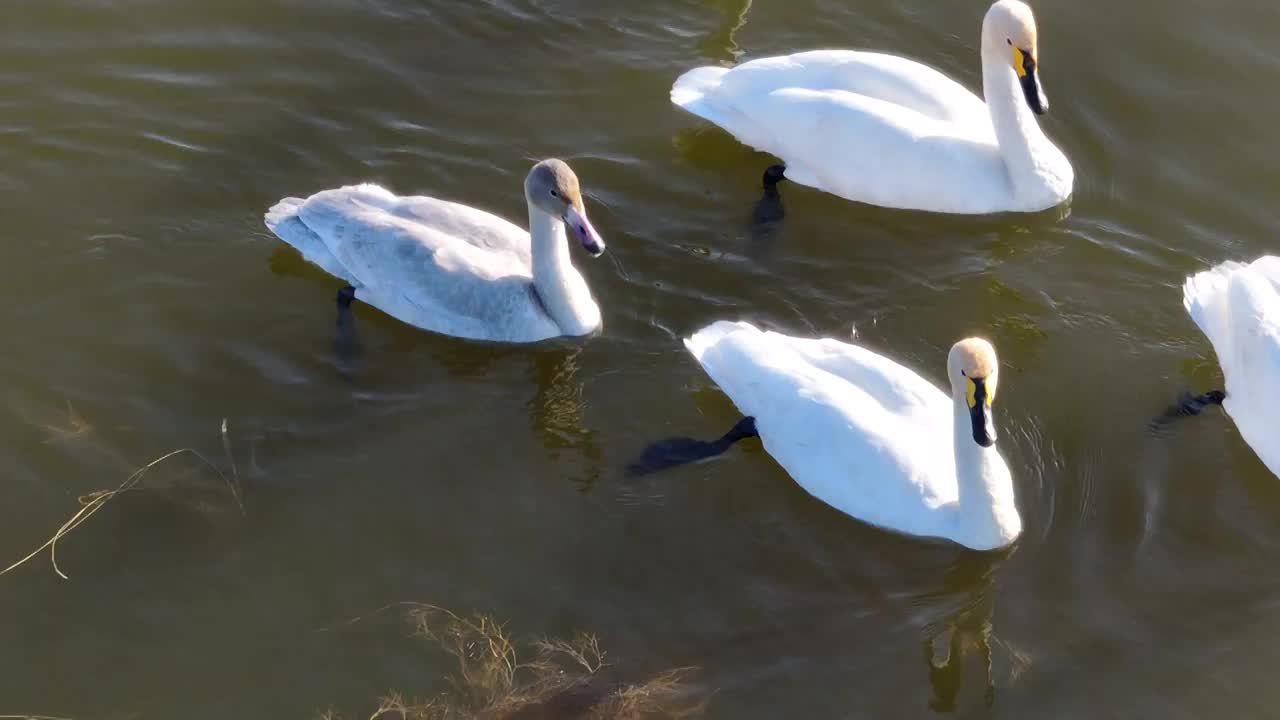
[
  {"x": 766, "y": 215},
  {"x": 966, "y": 632},
  {"x": 557, "y": 409},
  {"x": 946, "y": 674},
  {"x": 721, "y": 43}
]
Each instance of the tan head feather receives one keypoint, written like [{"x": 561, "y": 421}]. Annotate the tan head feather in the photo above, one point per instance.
[
  {"x": 552, "y": 181},
  {"x": 973, "y": 359},
  {"x": 1011, "y": 23}
]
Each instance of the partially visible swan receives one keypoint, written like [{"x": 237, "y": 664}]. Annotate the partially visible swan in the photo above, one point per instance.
[
  {"x": 1237, "y": 307},
  {"x": 889, "y": 131},
  {"x": 450, "y": 268},
  {"x": 868, "y": 436}
]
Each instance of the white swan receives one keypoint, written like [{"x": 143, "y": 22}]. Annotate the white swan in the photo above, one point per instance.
[
  {"x": 884, "y": 130},
  {"x": 450, "y": 268},
  {"x": 870, "y": 437},
  {"x": 1237, "y": 307}
]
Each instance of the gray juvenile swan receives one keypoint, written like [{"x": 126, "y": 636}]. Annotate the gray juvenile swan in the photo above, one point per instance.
[{"x": 450, "y": 268}]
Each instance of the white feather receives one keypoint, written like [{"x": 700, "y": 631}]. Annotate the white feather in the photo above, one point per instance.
[
  {"x": 888, "y": 131},
  {"x": 1237, "y": 307},
  {"x": 861, "y": 433}
]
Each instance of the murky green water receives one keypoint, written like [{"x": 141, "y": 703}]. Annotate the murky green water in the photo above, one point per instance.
[{"x": 141, "y": 141}]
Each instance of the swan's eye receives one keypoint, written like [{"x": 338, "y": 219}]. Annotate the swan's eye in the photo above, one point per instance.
[
  {"x": 1008, "y": 41},
  {"x": 555, "y": 194}
]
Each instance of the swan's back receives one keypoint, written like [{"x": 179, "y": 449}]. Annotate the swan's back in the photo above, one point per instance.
[
  {"x": 1237, "y": 307},
  {"x": 885, "y": 77},
  {"x": 857, "y": 431},
  {"x": 869, "y": 127},
  {"x": 463, "y": 223},
  {"x": 431, "y": 263},
  {"x": 477, "y": 227}
]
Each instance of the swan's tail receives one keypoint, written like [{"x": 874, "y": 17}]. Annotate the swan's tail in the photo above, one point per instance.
[
  {"x": 282, "y": 216},
  {"x": 1205, "y": 296},
  {"x": 706, "y": 338},
  {"x": 695, "y": 92},
  {"x": 281, "y": 213},
  {"x": 701, "y": 92},
  {"x": 695, "y": 84},
  {"x": 283, "y": 220}
]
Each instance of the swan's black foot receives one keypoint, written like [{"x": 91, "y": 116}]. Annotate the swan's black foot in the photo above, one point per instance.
[
  {"x": 671, "y": 452},
  {"x": 345, "y": 296},
  {"x": 773, "y": 175},
  {"x": 766, "y": 216},
  {"x": 346, "y": 343},
  {"x": 1196, "y": 405},
  {"x": 1188, "y": 406}
]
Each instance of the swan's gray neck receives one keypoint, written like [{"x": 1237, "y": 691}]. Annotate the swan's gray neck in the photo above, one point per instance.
[
  {"x": 987, "y": 516},
  {"x": 559, "y": 286},
  {"x": 1032, "y": 161}
]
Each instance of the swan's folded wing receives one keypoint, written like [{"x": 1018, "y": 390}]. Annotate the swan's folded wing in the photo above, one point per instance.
[
  {"x": 869, "y": 127},
  {"x": 877, "y": 152},
  {"x": 898, "y": 389},
  {"x": 1204, "y": 295},
  {"x": 833, "y": 436},
  {"x": 731, "y": 98},
  {"x": 1251, "y": 360},
  {"x": 893, "y": 387},
  {"x": 477, "y": 227},
  {"x": 424, "y": 276},
  {"x": 1238, "y": 308}
]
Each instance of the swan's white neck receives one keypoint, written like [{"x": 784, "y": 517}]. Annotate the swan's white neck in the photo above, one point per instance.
[
  {"x": 987, "y": 516},
  {"x": 560, "y": 287},
  {"x": 1040, "y": 174}
]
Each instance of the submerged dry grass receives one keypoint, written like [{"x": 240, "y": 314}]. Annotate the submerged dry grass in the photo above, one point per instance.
[
  {"x": 93, "y": 502},
  {"x": 495, "y": 679}
]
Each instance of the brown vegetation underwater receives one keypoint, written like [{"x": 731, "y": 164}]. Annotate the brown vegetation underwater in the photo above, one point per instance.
[{"x": 563, "y": 679}]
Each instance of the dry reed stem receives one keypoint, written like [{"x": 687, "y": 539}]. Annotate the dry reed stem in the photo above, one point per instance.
[
  {"x": 31, "y": 717},
  {"x": 1019, "y": 660},
  {"x": 366, "y": 616},
  {"x": 234, "y": 484},
  {"x": 95, "y": 501},
  {"x": 76, "y": 427}
]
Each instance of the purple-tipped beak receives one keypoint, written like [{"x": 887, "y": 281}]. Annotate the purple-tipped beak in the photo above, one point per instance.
[{"x": 580, "y": 227}]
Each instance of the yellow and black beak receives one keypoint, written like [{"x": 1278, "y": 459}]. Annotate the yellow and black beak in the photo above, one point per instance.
[
  {"x": 984, "y": 430},
  {"x": 1024, "y": 63}
]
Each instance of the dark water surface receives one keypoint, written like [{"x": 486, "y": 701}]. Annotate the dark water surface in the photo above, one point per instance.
[{"x": 141, "y": 140}]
